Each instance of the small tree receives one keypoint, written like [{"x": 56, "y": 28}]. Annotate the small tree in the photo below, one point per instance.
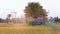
[
  {"x": 8, "y": 17},
  {"x": 56, "y": 19},
  {"x": 0, "y": 19}
]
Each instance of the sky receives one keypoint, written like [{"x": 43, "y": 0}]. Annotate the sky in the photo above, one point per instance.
[{"x": 10, "y": 6}]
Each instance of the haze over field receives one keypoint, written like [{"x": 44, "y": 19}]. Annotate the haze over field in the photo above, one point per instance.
[{"x": 7, "y": 6}]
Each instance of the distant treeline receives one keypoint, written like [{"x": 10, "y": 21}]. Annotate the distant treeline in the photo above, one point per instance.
[{"x": 4, "y": 20}]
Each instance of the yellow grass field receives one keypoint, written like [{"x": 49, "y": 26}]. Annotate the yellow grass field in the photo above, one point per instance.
[{"x": 21, "y": 29}]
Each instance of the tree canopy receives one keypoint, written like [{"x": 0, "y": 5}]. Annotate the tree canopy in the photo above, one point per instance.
[{"x": 34, "y": 9}]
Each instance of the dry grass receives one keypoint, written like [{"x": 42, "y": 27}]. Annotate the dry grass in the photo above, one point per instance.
[{"x": 21, "y": 29}]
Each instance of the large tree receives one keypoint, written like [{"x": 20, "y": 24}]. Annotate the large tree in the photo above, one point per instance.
[{"x": 35, "y": 10}]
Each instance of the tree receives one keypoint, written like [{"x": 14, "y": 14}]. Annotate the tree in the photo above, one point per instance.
[
  {"x": 35, "y": 10},
  {"x": 8, "y": 17},
  {"x": 56, "y": 19},
  {"x": 0, "y": 19}
]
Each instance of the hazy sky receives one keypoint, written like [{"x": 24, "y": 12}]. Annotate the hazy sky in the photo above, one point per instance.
[{"x": 8, "y": 6}]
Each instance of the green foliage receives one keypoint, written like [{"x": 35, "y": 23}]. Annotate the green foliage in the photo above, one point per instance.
[
  {"x": 34, "y": 9},
  {"x": 0, "y": 19},
  {"x": 57, "y": 19}
]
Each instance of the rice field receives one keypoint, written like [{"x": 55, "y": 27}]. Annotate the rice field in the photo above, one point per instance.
[{"x": 22, "y": 29}]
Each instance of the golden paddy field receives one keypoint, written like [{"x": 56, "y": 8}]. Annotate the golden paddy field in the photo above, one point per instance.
[{"x": 22, "y": 29}]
